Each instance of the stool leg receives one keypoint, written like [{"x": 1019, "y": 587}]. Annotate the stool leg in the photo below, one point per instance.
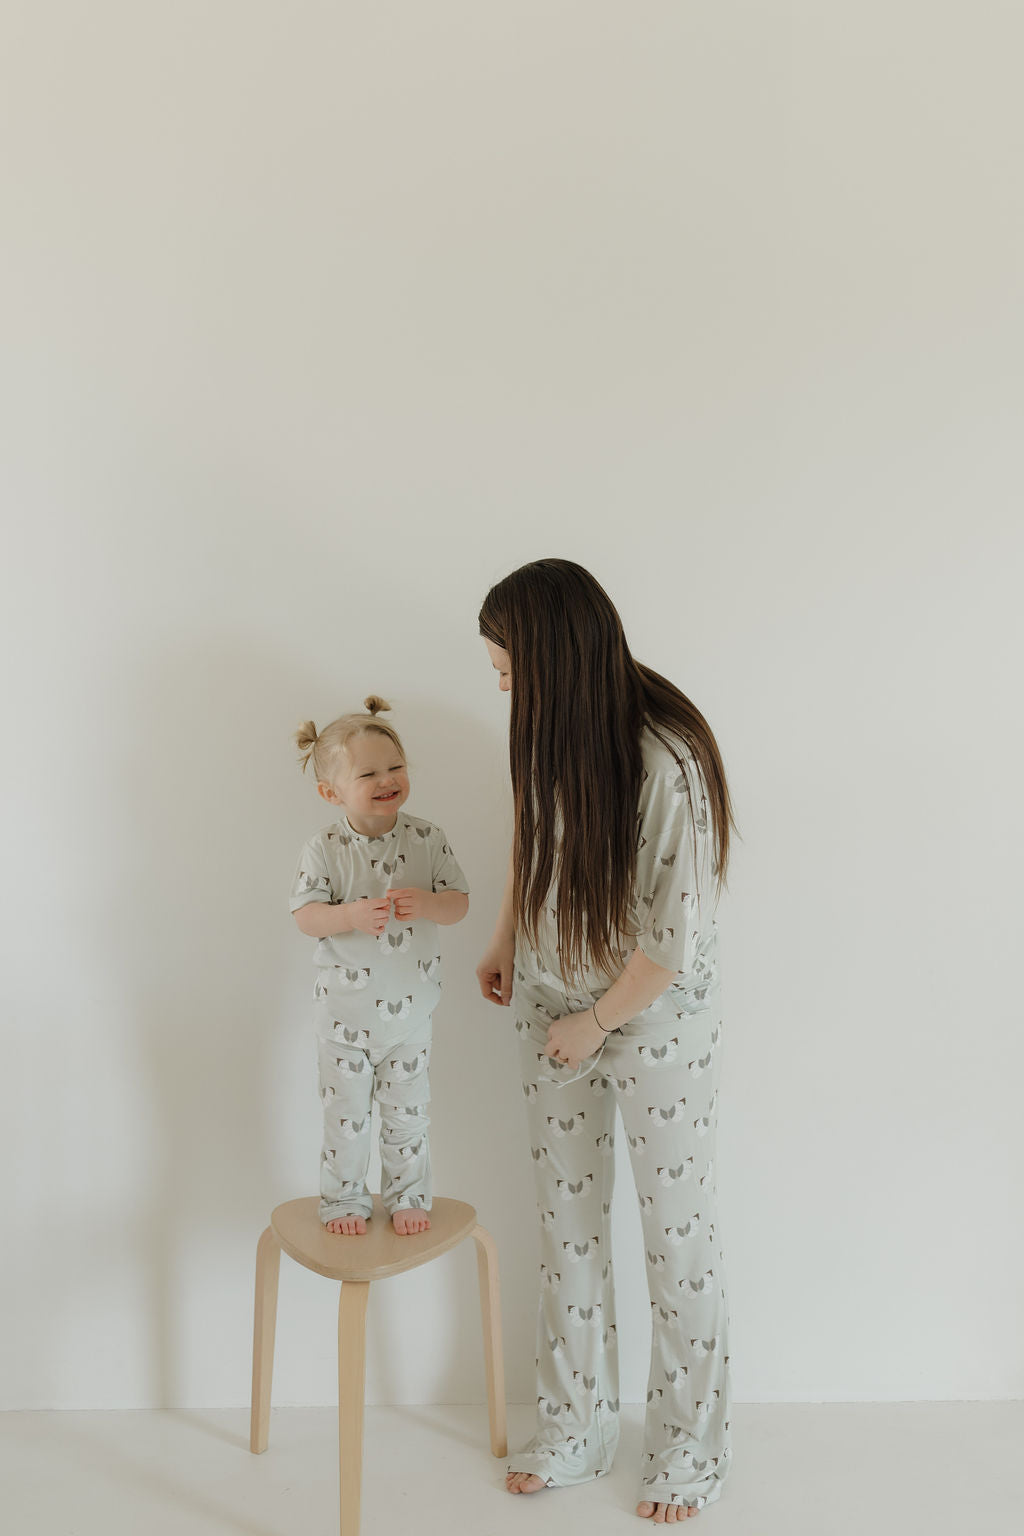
[
  {"x": 494, "y": 1360},
  {"x": 268, "y": 1267},
  {"x": 351, "y": 1395}
]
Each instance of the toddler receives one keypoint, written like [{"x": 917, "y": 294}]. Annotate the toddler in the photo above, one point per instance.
[{"x": 372, "y": 888}]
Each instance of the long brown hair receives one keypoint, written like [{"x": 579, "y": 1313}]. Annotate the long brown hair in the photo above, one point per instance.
[{"x": 579, "y": 705}]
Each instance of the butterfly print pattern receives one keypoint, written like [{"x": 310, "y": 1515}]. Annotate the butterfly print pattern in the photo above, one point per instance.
[
  {"x": 400, "y": 1009},
  {"x": 401, "y": 942},
  {"x": 348, "y": 978},
  {"x": 359, "y": 1037}
]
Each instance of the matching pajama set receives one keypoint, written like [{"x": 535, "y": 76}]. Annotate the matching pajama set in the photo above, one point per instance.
[
  {"x": 661, "y": 1071},
  {"x": 374, "y": 998}
]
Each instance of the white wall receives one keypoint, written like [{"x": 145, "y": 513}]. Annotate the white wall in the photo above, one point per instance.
[{"x": 318, "y": 320}]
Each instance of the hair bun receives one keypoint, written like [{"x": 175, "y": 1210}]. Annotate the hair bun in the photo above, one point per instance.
[
  {"x": 306, "y": 739},
  {"x": 375, "y": 704}
]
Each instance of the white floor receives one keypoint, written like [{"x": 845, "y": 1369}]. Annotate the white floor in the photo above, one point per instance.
[{"x": 806, "y": 1470}]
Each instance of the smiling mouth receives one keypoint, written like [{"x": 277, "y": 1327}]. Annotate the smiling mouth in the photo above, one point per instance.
[{"x": 387, "y": 797}]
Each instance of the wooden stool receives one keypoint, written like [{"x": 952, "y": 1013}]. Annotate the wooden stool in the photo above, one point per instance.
[{"x": 356, "y": 1261}]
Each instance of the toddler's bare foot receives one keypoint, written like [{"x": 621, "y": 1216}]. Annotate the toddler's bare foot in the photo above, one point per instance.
[
  {"x": 408, "y": 1221},
  {"x": 667, "y": 1514},
  {"x": 523, "y": 1482},
  {"x": 347, "y": 1226}
]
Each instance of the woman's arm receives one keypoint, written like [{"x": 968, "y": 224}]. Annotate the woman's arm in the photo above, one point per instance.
[
  {"x": 494, "y": 973},
  {"x": 504, "y": 928},
  {"x": 578, "y": 1035},
  {"x": 637, "y": 987}
]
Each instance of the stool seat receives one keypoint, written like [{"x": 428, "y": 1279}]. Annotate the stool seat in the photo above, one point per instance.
[
  {"x": 376, "y": 1253},
  {"x": 357, "y": 1261}
]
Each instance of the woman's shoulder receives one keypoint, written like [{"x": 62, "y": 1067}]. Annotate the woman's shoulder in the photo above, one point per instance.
[
  {"x": 663, "y": 752},
  {"x": 670, "y": 769}
]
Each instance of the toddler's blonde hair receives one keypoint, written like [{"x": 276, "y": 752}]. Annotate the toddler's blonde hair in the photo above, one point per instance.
[{"x": 324, "y": 747}]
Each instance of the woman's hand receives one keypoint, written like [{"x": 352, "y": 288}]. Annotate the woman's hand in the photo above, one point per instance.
[
  {"x": 494, "y": 973},
  {"x": 574, "y": 1037}
]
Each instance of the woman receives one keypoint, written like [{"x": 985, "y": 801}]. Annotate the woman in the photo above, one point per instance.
[{"x": 605, "y": 950}]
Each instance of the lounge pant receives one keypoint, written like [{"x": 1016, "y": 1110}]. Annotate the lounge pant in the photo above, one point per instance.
[
  {"x": 354, "y": 1074},
  {"x": 662, "y": 1072}
]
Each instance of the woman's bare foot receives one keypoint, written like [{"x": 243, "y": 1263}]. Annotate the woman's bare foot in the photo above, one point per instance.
[
  {"x": 408, "y": 1221},
  {"x": 523, "y": 1482},
  {"x": 667, "y": 1514},
  {"x": 347, "y": 1226}
]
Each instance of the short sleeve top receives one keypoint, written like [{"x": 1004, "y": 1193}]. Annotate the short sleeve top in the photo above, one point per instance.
[
  {"x": 671, "y": 915},
  {"x": 339, "y": 864},
  {"x": 675, "y": 893}
]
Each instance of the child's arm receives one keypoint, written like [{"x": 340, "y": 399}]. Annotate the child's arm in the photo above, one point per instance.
[
  {"x": 321, "y": 919},
  {"x": 450, "y": 906},
  {"x": 443, "y": 907}
]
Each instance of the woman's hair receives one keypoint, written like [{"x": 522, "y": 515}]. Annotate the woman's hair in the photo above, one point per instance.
[
  {"x": 325, "y": 746},
  {"x": 579, "y": 704}
]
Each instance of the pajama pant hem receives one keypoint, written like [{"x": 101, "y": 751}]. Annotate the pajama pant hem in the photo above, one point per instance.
[
  {"x": 539, "y": 1463},
  {"x": 336, "y": 1212}
]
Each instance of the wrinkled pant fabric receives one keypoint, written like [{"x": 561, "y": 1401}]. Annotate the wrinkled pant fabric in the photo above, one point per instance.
[
  {"x": 661, "y": 1072},
  {"x": 355, "y": 1071}
]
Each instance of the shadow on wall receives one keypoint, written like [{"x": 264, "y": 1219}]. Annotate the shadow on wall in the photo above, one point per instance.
[{"x": 212, "y": 821}]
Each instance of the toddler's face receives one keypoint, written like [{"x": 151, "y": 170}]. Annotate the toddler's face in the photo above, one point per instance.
[
  {"x": 370, "y": 779},
  {"x": 502, "y": 665}
]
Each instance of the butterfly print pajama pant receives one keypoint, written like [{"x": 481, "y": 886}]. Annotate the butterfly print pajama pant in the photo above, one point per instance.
[
  {"x": 360, "y": 1065},
  {"x": 661, "y": 1071}
]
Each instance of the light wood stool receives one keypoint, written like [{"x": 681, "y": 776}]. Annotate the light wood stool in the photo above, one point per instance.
[{"x": 356, "y": 1262}]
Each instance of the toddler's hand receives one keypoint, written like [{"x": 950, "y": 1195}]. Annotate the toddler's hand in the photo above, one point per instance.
[
  {"x": 411, "y": 903},
  {"x": 370, "y": 915}
]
